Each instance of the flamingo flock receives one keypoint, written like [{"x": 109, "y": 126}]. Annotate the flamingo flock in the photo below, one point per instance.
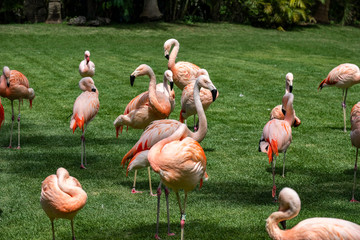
[{"x": 173, "y": 151}]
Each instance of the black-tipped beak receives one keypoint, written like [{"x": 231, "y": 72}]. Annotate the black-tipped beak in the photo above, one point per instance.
[
  {"x": 283, "y": 111},
  {"x": 283, "y": 224},
  {"x": 167, "y": 56},
  {"x": 171, "y": 85},
  {"x": 93, "y": 89},
  {"x": 8, "y": 84},
  {"x": 214, "y": 93},
  {"x": 290, "y": 88},
  {"x": 132, "y": 80}
]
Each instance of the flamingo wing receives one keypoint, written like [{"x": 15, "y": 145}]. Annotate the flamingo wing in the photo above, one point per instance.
[{"x": 85, "y": 108}]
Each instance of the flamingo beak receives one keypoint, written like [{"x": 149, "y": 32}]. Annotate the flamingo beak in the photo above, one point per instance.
[
  {"x": 214, "y": 93},
  {"x": 283, "y": 224},
  {"x": 30, "y": 103},
  {"x": 290, "y": 88},
  {"x": 87, "y": 59},
  {"x": 132, "y": 80},
  {"x": 93, "y": 89},
  {"x": 171, "y": 85},
  {"x": 167, "y": 56},
  {"x": 283, "y": 111},
  {"x": 117, "y": 131}
]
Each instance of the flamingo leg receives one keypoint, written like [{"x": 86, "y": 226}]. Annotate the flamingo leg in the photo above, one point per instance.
[
  {"x": 344, "y": 107},
  {"x": 167, "y": 192},
  {"x": 18, "y": 147},
  {"x": 82, "y": 151},
  {"x": 355, "y": 169},
  {"x": 158, "y": 211},
  {"x": 273, "y": 163},
  {"x": 283, "y": 173},
  {"x": 84, "y": 145},
  {"x": 72, "y": 230},
  {"x": 133, "y": 190},
  {"x": 149, "y": 173},
  {"x": 53, "y": 229},
  {"x": 12, "y": 122},
  {"x": 182, "y": 212}
]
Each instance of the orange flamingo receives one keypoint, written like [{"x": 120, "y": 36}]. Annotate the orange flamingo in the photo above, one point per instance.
[
  {"x": 311, "y": 228},
  {"x": 355, "y": 139},
  {"x": 160, "y": 129},
  {"x": 85, "y": 108},
  {"x": 278, "y": 111},
  {"x": 2, "y": 113},
  {"x": 62, "y": 197},
  {"x": 187, "y": 99},
  {"x": 146, "y": 107},
  {"x": 14, "y": 85},
  {"x": 181, "y": 163},
  {"x": 343, "y": 76},
  {"x": 184, "y": 72},
  {"x": 276, "y": 137},
  {"x": 87, "y": 67}
]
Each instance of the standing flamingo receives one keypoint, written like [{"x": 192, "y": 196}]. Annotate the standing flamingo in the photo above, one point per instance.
[
  {"x": 85, "y": 108},
  {"x": 87, "y": 67},
  {"x": 147, "y": 106},
  {"x": 14, "y": 85},
  {"x": 2, "y": 114},
  {"x": 160, "y": 129},
  {"x": 276, "y": 137},
  {"x": 355, "y": 139},
  {"x": 318, "y": 228},
  {"x": 184, "y": 72},
  {"x": 62, "y": 197},
  {"x": 343, "y": 76},
  {"x": 277, "y": 112},
  {"x": 181, "y": 163},
  {"x": 166, "y": 89}
]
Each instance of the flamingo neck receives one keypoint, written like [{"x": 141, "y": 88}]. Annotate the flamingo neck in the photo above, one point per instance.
[
  {"x": 165, "y": 86},
  {"x": 272, "y": 226},
  {"x": 290, "y": 114},
  {"x": 152, "y": 95},
  {"x": 287, "y": 87},
  {"x": 72, "y": 191},
  {"x": 201, "y": 133},
  {"x": 173, "y": 54}
]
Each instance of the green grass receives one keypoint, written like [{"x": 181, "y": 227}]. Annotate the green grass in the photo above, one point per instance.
[{"x": 236, "y": 200}]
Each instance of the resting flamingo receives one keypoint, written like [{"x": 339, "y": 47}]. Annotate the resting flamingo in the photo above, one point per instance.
[
  {"x": 277, "y": 112},
  {"x": 355, "y": 139},
  {"x": 343, "y": 76},
  {"x": 62, "y": 197},
  {"x": 2, "y": 113},
  {"x": 184, "y": 72},
  {"x": 160, "y": 129},
  {"x": 87, "y": 67},
  {"x": 14, "y": 85},
  {"x": 188, "y": 107},
  {"x": 181, "y": 163},
  {"x": 85, "y": 108},
  {"x": 311, "y": 228},
  {"x": 146, "y": 107},
  {"x": 276, "y": 137}
]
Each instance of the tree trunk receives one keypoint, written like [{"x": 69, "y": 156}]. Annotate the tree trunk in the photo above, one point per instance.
[
  {"x": 322, "y": 12},
  {"x": 54, "y": 12},
  {"x": 151, "y": 10},
  {"x": 90, "y": 10}
]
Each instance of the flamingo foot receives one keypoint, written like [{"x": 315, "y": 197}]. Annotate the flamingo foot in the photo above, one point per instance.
[
  {"x": 9, "y": 147},
  {"x": 182, "y": 223},
  {"x": 82, "y": 166},
  {"x": 343, "y": 105},
  {"x": 283, "y": 175},
  {"x": 157, "y": 237},
  {"x": 353, "y": 200},
  {"x": 153, "y": 195},
  {"x": 18, "y": 147},
  {"x": 134, "y": 191},
  {"x": 171, "y": 234},
  {"x": 274, "y": 192}
]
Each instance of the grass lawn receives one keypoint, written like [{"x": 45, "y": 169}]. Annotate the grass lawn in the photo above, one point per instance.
[{"x": 246, "y": 64}]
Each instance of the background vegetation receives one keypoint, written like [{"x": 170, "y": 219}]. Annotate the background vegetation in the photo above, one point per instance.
[{"x": 247, "y": 65}]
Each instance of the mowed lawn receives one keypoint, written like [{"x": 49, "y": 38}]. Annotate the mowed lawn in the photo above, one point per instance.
[{"x": 247, "y": 65}]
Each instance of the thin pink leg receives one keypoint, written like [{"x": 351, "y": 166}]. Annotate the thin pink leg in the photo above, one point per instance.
[
  {"x": 167, "y": 192},
  {"x": 158, "y": 211}
]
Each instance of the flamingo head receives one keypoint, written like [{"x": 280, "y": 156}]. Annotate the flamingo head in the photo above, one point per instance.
[
  {"x": 205, "y": 82},
  {"x": 289, "y": 82},
  {"x": 168, "y": 75},
  {"x": 87, "y": 56},
  {"x": 167, "y": 46},
  {"x": 6, "y": 73},
  {"x": 141, "y": 70}
]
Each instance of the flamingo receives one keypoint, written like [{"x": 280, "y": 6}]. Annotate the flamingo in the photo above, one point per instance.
[
  {"x": 355, "y": 139},
  {"x": 276, "y": 137},
  {"x": 187, "y": 99},
  {"x": 160, "y": 129},
  {"x": 2, "y": 114},
  {"x": 343, "y": 76},
  {"x": 181, "y": 163},
  {"x": 277, "y": 112},
  {"x": 311, "y": 228},
  {"x": 184, "y": 72},
  {"x": 85, "y": 108},
  {"x": 166, "y": 89},
  {"x": 146, "y": 107},
  {"x": 62, "y": 197},
  {"x": 87, "y": 67},
  {"x": 14, "y": 85}
]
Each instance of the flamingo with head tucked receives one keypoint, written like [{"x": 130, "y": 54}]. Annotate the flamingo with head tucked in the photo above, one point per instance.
[
  {"x": 86, "y": 106},
  {"x": 184, "y": 72},
  {"x": 87, "y": 67},
  {"x": 318, "y": 228},
  {"x": 343, "y": 76},
  {"x": 62, "y": 197},
  {"x": 14, "y": 85}
]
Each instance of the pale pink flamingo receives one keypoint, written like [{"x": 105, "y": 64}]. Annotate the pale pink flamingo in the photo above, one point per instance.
[
  {"x": 355, "y": 139},
  {"x": 184, "y": 72},
  {"x": 87, "y": 67},
  {"x": 188, "y": 107},
  {"x": 85, "y": 108},
  {"x": 167, "y": 87},
  {"x": 278, "y": 111},
  {"x": 343, "y": 76},
  {"x": 181, "y": 163},
  {"x": 160, "y": 129},
  {"x": 276, "y": 137},
  {"x": 146, "y": 107},
  {"x": 318, "y": 228},
  {"x": 62, "y": 197},
  {"x": 14, "y": 85},
  {"x": 2, "y": 113}
]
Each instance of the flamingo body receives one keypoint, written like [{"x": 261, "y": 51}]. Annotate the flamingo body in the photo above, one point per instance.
[{"x": 87, "y": 67}]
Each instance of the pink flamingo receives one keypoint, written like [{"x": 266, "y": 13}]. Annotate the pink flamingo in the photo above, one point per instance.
[
  {"x": 2, "y": 113},
  {"x": 184, "y": 72},
  {"x": 276, "y": 137},
  {"x": 343, "y": 76},
  {"x": 160, "y": 129},
  {"x": 85, "y": 108},
  {"x": 62, "y": 197},
  {"x": 147, "y": 106},
  {"x": 181, "y": 163},
  {"x": 87, "y": 67},
  {"x": 166, "y": 89},
  {"x": 278, "y": 111},
  {"x": 14, "y": 85},
  {"x": 355, "y": 139},
  {"x": 311, "y": 228}
]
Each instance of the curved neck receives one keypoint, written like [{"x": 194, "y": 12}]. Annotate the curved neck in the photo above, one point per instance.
[
  {"x": 152, "y": 94},
  {"x": 173, "y": 54},
  {"x": 290, "y": 115},
  {"x": 72, "y": 191},
  {"x": 287, "y": 87},
  {"x": 272, "y": 223},
  {"x": 165, "y": 86}
]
